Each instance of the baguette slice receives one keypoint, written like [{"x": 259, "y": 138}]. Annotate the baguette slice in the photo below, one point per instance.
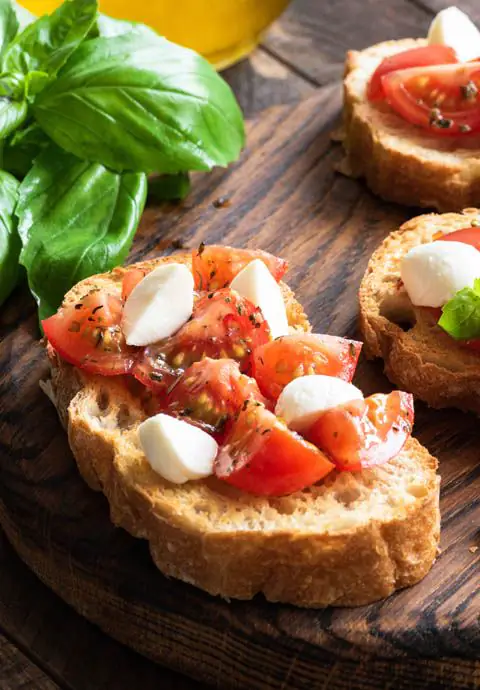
[
  {"x": 350, "y": 540},
  {"x": 419, "y": 356},
  {"x": 399, "y": 161}
]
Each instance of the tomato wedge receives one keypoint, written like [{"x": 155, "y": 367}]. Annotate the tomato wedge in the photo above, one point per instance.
[
  {"x": 88, "y": 335},
  {"x": 416, "y": 57},
  {"x": 470, "y": 235},
  {"x": 280, "y": 361},
  {"x": 443, "y": 99},
  {"x": 223, "y": 325},
  {"x": 262, "y": 456},
  {"x": 215, "y": 267},
  {"x": 130, "y": 280},
  {"x": 155, "y": 373},
  {"x": 212, "y": 391},
  {"x": 363, "y": 433}
]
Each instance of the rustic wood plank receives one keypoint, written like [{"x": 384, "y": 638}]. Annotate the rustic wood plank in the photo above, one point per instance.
[
  {"x": 69, "y": 649},
  {"x": 471, "y": 7},
  {"x": 311, "y": 37},
  {"x": 285, "y": 198},
  {"x": 17, "y": 672},
  {"x": 261, "y": 81}
]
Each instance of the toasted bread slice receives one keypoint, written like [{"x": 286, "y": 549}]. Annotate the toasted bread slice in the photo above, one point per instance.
[
  {"x": 399, "y": 161},
  {"x": 349, "y": 540},
  {"x": 419, "y": 356}
]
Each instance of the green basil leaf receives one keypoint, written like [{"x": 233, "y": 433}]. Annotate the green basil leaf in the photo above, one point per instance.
[
  {"x": 21, "y": 149},
  {"x": 35, "y": 82},
  {"x": 169, "y": 187},
  {"x": 24, "y": 17},
  {"x": 9, "y": 240},
  {"x": 76, "y": 218},
  {"x": 18, "y": 87},
  {"x": 12, "y": 86},
  {"x": 139, "y": 102},
  {"x": 8, "y": 24},
  {"x": 47, "y": 43},
  {"x": 108, "y": 27},
  {"x": 12, "y": 115},
  {"x": 461, "y": 315}
]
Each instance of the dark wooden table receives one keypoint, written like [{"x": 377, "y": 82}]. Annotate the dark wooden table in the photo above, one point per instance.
[{"x": 43, "y": 644}]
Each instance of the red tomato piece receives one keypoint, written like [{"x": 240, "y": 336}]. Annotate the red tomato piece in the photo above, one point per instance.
[
  {"x": 363, "y": 433},
  {"x": 416, "y": 57},
  {"x": 262, "y": 456},
  {"x": 155, "y": 373},
  {"x": 215, "y": 267},
  {"x": 212, "y": 391},
  {"x": 88, "y": 335},
  {"x": 442, "y": 99},
  {"x": 473, "y": 345},
  {"x": 223, "y": 325},
  {"x": 131, "y": 279},
  {"x": 470, "y": 235},
  {"x": 280, "y": 361}
]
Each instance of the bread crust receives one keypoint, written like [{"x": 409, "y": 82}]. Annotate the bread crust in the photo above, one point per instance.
[
  {"x": 418, "y": 355},
  {"x": 194, "y": 531},
  {"x": 401, "y": 162}
]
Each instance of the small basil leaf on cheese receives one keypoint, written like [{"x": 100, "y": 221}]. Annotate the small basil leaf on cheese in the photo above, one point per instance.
[
  {"x": 256, "y": 283},
  {"x": 461, "y": 315},
  {"x": 433, "y": 273},
  {"x": 159, "y": 305},
  {"x": 178, "y": 451},
  {"x": 452, "y": 27},
  {"x": 304, "y": 399}
]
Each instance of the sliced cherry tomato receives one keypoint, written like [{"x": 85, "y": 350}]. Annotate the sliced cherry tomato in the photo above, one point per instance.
[
  {"x": 470, "y": 235},
  {"x": 280, "y": 361},
  {"x": 366, "y": 432},
  {"x": 223, "y": 325},
  {"x": 212, "y": 391},
  {"x": 152, "y": 370},
  {"x": 262, "y": 456},
  {"x": 415, "y": 57},
  {"x": 88, "y": 335},
  {"x": 215, "y": 267},
  {"x": 443, "y": 99},
  {"x": 130, "y": 280}
]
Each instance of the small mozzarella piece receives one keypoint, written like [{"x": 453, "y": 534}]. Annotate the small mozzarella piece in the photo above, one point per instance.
[
  {"x": 303, "y": 400},
  {"x": 256, "y": 283},
  {"x": 159, "y": 305},
  {"x": 451, "y": 27},
  {"x": 433, "y": 273},
  {"x": 178, "y": 451}
]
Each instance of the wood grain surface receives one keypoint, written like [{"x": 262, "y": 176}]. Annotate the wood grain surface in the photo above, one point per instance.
[{"x": 285, "y": 198}]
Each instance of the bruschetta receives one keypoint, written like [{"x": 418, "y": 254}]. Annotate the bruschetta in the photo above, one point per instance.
[
  {"x": 230, "y": 437},
  {"x": 412, "y": 116}
]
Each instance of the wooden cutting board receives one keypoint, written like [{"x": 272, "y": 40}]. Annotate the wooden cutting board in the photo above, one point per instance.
[{"x": 283, "y": 196}]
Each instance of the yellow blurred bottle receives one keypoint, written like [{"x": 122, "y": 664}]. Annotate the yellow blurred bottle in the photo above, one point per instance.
[{"x": 223, "y": 31}]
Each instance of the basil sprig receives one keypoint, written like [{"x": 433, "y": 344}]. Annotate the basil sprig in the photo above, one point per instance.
[
  {"x": 461, "y": 315},
  {"x": 88, "y": 106},
  {"x": 74, "y": 216}
]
